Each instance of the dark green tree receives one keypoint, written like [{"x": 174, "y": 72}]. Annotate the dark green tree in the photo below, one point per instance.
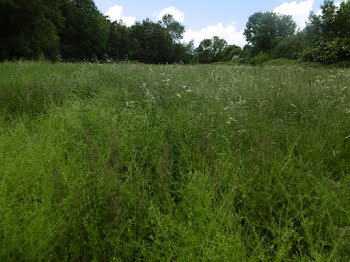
[
  {"x": 313, "y": 31},
  {"x": 265, "y": 30},
  {"x": 86, "y": 31},
  {"x": 189, "y": 52},
  {"x": 29, "y": 29},
  {"x": 327, "y": 36},
  {"x": 155, "y": 44},
  {"x": 231, "y": 51},
  {"x": 342, "y": 20},
  {"x": 289, "y": 48},
  {"x": 174, "y": 28},
  {"x": 211, "y": 50},
  {"x": 204, "y": 52},
  {"x": 219, "y": 45},
  {"x": 121, "y": 44},
  {"x": 329, "y": 28}
]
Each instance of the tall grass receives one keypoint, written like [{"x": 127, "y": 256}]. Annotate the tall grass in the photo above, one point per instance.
[{"x": 128, "y": 162}]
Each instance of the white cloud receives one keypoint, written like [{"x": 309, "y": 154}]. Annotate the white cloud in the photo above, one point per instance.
[
  {"x": 228, "y": 32},
  {"x": 129, "y": 20},
  {"x": 176, "y": 13},
  {"x": 299, "y": 11},
  {"x": 337, "y": 4},
  {"x": 115, "y": 14}
]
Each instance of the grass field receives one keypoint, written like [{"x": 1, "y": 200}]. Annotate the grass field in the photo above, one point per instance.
[{"x": 129, "y": 162}]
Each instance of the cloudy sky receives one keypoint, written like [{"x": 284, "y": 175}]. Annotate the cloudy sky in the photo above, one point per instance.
[{"x": 206, "y": 18}]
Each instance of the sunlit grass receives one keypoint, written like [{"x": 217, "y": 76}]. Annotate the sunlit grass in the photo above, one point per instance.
[{"x": 127, "y": 162}]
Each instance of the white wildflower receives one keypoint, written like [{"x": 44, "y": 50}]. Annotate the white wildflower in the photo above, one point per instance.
[{"x": 230, "y": 119}]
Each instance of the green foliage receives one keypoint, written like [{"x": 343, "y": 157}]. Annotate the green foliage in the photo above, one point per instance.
[
  {"x": 121, "y": 45},
  {"x": 283, "y": 62},
  {"x": 29, "y": 29},
  {"x": 289, "y": 48},
  {"x": 313, "y": 31},
  {"x": 75, "y": 30},
  {"x": 148, "y": 42},
  {"x": 231, "y": 52},
  {"x": 327, "y": 36},
  {"x": 329, "y": 52},
  {"x": 260, "y": 59},
  {"x": 342, "y": 20},
  {"x": 155, "y": 43},
  {"x": 86, "y": 31},
  {"x": 265, "y": 30},
  {"x": 211, "y": 50},
  {"x": 203, "y": 51},
  {"x": 325, "y": 39},
  {"x": 135, "y": 162},
  {"x": 174, "y": 28}
]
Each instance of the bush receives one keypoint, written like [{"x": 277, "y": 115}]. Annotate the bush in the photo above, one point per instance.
[
  {"x": 288, "y": 48},
  {"x": 260, "y": 59},
  {"x": 328, "y": 52}
]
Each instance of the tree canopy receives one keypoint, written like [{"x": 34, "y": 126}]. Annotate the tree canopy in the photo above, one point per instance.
[
  {"x": 75, "y": 30},
  {"x": 86, "y": 31},
  {"x": 265, "y": 30},
  {"x": 327, "y": 36},
  {"x": 211, "y": 50},
  {"x": 29, "y": 29}
]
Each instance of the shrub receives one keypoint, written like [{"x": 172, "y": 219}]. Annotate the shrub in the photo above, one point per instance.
[
  {"x": 260, "y": 59},
  {"x": 329, "y": 52}
]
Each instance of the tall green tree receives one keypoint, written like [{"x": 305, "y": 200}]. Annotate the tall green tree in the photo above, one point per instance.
[
  {"x": 327, "y": 36},
  {"x": 154, "y": 42},
  {"x": 211, "y": 50},
  {"x": 230, "y": 51},
  {"x": 159, "y": 42},
  {"x": 342, "y": 20},
  {"x": 29, "y": 29},
  {"x": 313, "y": 31},
  {"x": 289, "y": 48},
  {"x": 265, "y": 30},
  {"x": 332, "y": 23},
  {"x": 173, "y": 27},
  {"x": 121, "y": 44},
  {"x": 204, "y": 52},
  {"x": 86, "y": 31}
]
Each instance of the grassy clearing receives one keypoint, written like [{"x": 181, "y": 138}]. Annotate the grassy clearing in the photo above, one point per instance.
[{"x": 130, "y": 162}]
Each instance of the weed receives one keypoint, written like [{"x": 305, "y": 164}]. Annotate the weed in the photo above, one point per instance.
[{"x": 131, "y": 162}]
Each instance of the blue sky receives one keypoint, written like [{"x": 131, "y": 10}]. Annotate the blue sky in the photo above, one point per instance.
[{"x": 206, "y": 18}]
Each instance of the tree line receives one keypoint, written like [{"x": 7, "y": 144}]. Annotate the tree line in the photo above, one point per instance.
[
  {"x": 325, "y": 39},
  {"x": 75, "y": 30}
]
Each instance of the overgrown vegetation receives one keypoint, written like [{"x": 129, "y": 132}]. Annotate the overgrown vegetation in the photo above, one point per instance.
[{"x": 128, "y": 162}]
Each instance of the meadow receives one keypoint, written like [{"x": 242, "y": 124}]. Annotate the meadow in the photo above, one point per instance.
[{"x": 132, "y": 162}]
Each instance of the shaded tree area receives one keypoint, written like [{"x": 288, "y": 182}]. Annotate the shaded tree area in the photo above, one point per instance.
[
  {"x": 85, "y": 32},
  {"x": 155, "y": 42},
  {"x": 121, "y": 45},
  {"x": 75, "y": 30},
  {"x": 29, "y": 28},
  {"x": 216, "y": 50},
  {"x": 71, "y": 29}
]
